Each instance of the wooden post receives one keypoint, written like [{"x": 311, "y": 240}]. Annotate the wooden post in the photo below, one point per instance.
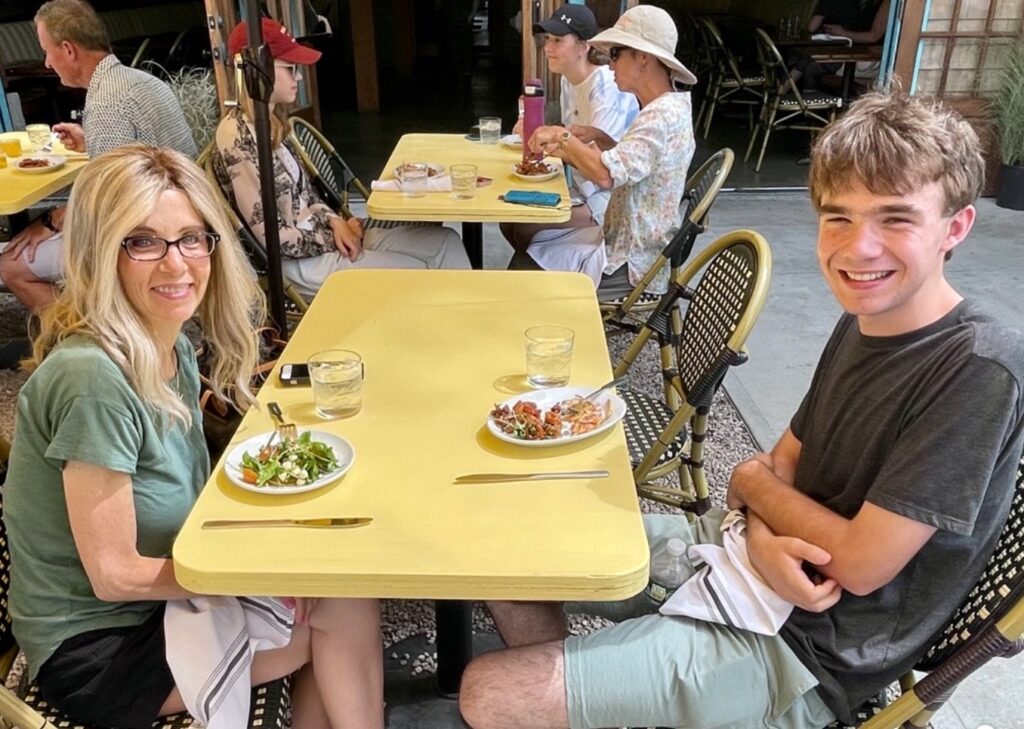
[
  {"x": 364, "y": 52},
  {"x": 220, "y": 19}
]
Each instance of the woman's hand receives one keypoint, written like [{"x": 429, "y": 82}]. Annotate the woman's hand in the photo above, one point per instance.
[
  {"x": 547, "y": 140},
  {"x": 833, "y": 29},
  {"x": 348, "y": 237},
  {"x": 592, "y": 135},
  {"x": 303, "y": 607},
  {"x": 517, "y": 128}
]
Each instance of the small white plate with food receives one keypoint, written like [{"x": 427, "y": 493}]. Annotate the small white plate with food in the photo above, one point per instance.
[
  {"x": 514, "y": 141},
  {"x": 535, "y": 171},
  {"x": 555, "y": 416},
  {"x": 433, "y": 169},
  {"x": 313, "y": 460},
  {"x": 35, "y": 164}
]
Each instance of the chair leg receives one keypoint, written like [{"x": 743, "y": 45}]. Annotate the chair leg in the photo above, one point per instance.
[
  {"x": 764, "y": 141},
  {"x": 711, "y": 108},
  {"x": 753, "y": 138},
  {"x": 701, "y": 499}
]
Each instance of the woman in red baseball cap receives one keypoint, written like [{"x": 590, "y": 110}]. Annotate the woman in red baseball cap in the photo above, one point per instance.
[{"x": 315, "y": 240}]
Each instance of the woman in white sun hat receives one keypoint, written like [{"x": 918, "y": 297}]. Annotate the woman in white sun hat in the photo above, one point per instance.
[{"x": 646, "y": 169}]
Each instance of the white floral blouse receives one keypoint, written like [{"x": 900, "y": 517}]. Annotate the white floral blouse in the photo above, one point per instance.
[{"x": 648, "y": 168}]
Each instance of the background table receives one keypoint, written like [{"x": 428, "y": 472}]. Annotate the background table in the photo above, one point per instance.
[
  {"x": 21, "y": 190},
  {"x": 833, "y": 51},
  {"x": 492, "y": 160},
  {"x": 440, "y": 347}
]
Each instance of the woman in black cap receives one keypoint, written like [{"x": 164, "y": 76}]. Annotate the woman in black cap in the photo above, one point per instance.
[{"x": 589, "y": 99}]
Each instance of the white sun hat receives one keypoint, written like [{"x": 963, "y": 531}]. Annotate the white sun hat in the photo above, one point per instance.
[{"x": 648, "y": 29}]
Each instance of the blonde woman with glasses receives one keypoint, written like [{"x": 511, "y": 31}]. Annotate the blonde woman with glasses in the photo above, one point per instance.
[
  {"x": 109, "y": 458},
  {"x": 315, "y": 241}
]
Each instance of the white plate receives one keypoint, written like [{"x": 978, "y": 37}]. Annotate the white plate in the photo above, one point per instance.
[
  {"x": 555, "y": 172},
  {"x": 343, "y": 451},
  {"x": 511, "y": 140},
  {"x": 544, "y": 399},
  {"x": 54, "y": 161},
  {"x": 434, "y": 167}
]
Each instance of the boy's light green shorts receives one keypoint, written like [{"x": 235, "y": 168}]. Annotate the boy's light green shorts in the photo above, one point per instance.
[{"x": 655, "y": 670}]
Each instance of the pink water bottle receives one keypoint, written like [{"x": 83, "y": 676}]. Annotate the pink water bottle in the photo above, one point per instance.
[{"x": 533, "y": 115}]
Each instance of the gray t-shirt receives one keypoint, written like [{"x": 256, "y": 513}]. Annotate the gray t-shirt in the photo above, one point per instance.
[
  {"x": 79, "y": 406},
  {"x": 927, "y": 425}
]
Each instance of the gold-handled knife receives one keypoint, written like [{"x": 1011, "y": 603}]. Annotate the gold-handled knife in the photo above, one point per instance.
[
  {"x": 500, "y": 477},
  {"x": 325, "y": 522}
]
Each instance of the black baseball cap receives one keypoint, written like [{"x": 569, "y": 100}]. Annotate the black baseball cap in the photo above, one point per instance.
[{"x": 567, "y": 19}]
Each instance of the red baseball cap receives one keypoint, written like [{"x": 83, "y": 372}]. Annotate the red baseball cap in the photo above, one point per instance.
[{"x": 280, "y": 42}]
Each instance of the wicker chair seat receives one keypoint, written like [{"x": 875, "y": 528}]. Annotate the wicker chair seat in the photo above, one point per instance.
[
  {"x": 812, "y": 102},
  {"x": 646, "y": 298},
  {"x": 270, "y": 708},
  {"x": 730, "y": 83},
  {"x": 645, "y": 418},
  {"x": 865, "y": 711}
]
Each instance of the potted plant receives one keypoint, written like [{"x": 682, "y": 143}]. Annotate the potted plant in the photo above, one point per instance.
[{"x": 1008, "y": 116}]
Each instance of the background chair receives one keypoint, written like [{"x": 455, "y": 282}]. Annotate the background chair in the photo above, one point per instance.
[
  {"x": 785, "y": 107},
  {"x": 697, "y": 346},
  {"x": 989, "y": 623},
  {"x": 727, "y": 84},
  {"x": 270, "y": 704},
  {"x": 701, "y": 191},
  {"x": 334, "y": 179}
]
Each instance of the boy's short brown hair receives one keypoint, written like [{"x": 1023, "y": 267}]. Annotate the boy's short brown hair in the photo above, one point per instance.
[{"x": 893, "y": 144}]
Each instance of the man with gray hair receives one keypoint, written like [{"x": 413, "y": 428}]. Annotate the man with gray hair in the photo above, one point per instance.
[
  {"x": 122, "y": 105},
  {"x": 875, "y": 513}
]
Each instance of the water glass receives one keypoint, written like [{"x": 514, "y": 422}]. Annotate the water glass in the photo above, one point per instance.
[
  {"x": 548, "y": 355},
  {"x": 38, "y": 134},
  {"x": 463, "y": 181},
  {"x": 490, "y": 129},
  {"x": 337, "y": 377},
  {"x": 414, "y": 179},
  {"x": 11, "y": 147}
]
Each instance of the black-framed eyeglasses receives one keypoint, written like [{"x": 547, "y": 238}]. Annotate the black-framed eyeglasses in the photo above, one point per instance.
[
  {"x": 151, "y": 248},
  {"x": 615, "y": 51}
]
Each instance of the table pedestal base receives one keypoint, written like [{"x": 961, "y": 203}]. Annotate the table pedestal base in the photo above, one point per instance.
[{"x": 473, "y": 240}]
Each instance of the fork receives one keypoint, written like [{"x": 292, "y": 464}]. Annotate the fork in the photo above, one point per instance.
[{"x": 287, "y": 431}]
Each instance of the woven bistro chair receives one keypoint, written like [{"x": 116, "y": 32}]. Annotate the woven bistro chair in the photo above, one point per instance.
[
  {"x": 988, "y": 624},
  {"x": 698, "y": 343},
  {"x": 270, "y": 704},
  {"x": 333, "y": 178},
  {"x": 701, "y": 191},
  {"x": 785, "y": 106},
  {"x": 254, "y": 251},
  {"x": 727, "y": 83}
]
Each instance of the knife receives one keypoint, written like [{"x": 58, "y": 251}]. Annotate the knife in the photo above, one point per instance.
[
  {"x": 325, "y": 522},
  {"x": 500, "y": 477}
]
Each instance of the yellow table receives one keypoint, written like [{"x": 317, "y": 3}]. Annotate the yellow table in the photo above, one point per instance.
[
  {"x": 440, "y": 347},
  {"x": 492, "y": 160},
  {"x": 21, "y": 190}
]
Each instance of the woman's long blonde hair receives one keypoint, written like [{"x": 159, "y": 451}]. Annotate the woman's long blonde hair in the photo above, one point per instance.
[{"x": 114, "y": 195}]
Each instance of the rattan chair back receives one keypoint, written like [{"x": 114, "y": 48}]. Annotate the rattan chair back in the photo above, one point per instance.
[{"x": 334, "y": 179}]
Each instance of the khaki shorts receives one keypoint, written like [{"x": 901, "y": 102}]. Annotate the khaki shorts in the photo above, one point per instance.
[{"x": 656, "y": 670}]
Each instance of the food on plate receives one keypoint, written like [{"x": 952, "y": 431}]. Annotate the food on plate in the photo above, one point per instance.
[
  {"x": 414, "y": 166},
  {"x": 530, "y": 167},
  {"x": 33, "y": 163},
  {"x": 526, "y": 421},
  {"x": 291, "y": 463}
]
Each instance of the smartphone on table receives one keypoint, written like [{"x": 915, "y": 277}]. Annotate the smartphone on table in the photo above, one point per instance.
[{"x": 295, "y": 374}]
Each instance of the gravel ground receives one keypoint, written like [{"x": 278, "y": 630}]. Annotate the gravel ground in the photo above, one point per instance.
[{"x": 728, "y": 443}]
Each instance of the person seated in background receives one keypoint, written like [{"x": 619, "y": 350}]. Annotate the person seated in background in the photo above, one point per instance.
[
  {"x": 889, "y": 473},
  {"x": 589, "y": 98},
  {"x": 645, "y": 170},
  {"x": 122, "y": 105},
  {"x": 315, "y": 241},
  {"x": 109, "y": 457},
  {"x": 861, "y": 23}
]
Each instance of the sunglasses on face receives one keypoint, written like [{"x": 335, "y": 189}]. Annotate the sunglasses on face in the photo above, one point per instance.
[
  {"x": 289, "y": 67},
  {"x": 615, "y": 51}
]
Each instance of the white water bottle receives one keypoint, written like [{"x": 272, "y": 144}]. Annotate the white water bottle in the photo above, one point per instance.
[{"x": 667, "y": 570}]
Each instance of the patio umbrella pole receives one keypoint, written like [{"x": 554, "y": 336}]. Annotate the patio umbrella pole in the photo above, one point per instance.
[{"x": 259, "y": 81}]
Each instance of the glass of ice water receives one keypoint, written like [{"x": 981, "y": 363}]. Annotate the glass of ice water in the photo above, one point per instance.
[
  {"x": 337, "y": 377},
  {"x": 548, "y": 355},
  {"x": 463, "y": 181},
  {"x": 490, "y": 129},
  {"x": 38, "y": 134}
]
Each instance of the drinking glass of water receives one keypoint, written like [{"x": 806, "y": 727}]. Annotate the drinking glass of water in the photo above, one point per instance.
[
  {"x": 463, "y": 181},
  {"x": 490, "y": 129},
  {"x": 337, "y": 377},
  {"x": 548, "y": 355}
]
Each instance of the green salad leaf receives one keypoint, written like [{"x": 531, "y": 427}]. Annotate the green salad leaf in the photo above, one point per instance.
[{"x": 294, "y": 463}]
